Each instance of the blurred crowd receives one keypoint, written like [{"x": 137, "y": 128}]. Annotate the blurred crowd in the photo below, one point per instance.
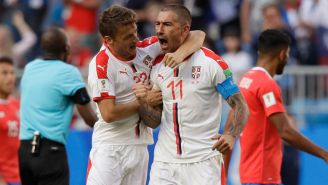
[{"x": 232, "y": 26}]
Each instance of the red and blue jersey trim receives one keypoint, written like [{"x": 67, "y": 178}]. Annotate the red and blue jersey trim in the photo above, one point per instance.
[{"x": 177, "y": 128}]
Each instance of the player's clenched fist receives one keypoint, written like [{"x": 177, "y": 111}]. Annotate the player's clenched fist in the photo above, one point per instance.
[
  {"x": 224, "y": 143},
  {"x": 154, "y": 97},
  {"x": 140, "y": 90}
]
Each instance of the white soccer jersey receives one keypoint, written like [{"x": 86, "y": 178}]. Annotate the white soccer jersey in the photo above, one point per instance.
[
  {"x": 191, "y": 107},
  {"x": 111, "y": 77}
]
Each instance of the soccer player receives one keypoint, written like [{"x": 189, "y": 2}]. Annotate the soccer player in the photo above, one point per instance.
[
  {"x": 49, "y": 89},
  {"x": 268, "y": 123},
  {"x": 189, "y": 150},
  {"x": 9, "y": 125},
  {"x": 119, "y": 154}
]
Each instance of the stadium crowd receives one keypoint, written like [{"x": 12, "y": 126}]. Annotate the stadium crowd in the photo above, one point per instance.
[{"x": 222, "y": 20}]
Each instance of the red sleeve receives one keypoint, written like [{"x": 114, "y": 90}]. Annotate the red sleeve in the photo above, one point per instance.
[
  {"x": 147, "y": 41},
  {"x": 270, "y": 96},
  {"x": 103, "y": 86}
]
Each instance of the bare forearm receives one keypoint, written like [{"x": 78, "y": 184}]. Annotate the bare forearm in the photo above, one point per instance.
[
  {"x": 244, "y": 19},
  {"x": 193, "y": 43},
  {"x": 91, "y": 4},
  {"x": 229, "y": 122},
  {"x": 226, "y": 159},
  {"x": 240, "y": 114},
  {"x": 150, "y": 116},
  {"x": 87, "y": 113},
  {"x": 123, "y": 111},
  {"x": 110, "y": 111},
  {"x": 300, "y": 142},
  {"x": 289, "y": 134}
]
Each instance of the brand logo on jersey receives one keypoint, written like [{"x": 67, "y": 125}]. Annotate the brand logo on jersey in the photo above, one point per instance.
[
  {"x": 147, "y": 61},
  {"x": 101, "y": 67},
  {"x": 269, "y": 99},
  {"x": 160, "y": 76},
  {"x": 195, "y": 72},
  {"x": 124, "y": 72}
]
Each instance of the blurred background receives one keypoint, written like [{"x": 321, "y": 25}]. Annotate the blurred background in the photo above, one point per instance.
[{"x": 232, "y": 28}]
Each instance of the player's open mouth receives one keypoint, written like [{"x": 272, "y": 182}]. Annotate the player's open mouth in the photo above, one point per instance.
[{"x": 162, "y": 41}]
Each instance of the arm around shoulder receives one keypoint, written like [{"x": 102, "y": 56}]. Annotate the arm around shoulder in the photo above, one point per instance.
[{"x": 194, "y": 42}]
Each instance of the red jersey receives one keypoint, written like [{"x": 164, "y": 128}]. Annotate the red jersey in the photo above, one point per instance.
[
  {"x": 9, "y": 131},
  {"x": 261, "y": 145},
  {"x": 82, "y": 18}
]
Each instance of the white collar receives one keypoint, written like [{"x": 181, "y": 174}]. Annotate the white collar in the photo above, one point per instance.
[{"x": 257, "y": 68}]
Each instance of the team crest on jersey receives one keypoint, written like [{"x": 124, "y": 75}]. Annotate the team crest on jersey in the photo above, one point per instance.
[
  {"x": 147, "y": 61},
  {"x": 195, "y": 72}
]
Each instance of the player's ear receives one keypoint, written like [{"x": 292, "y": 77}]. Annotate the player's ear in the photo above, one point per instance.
[
  {"x": 185, "y": 31},
  {"x": 108, "y": 40},
  {"x": 282, "y": 54}
]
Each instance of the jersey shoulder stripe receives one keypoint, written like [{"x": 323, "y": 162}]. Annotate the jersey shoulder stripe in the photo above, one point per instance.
[
  {"x": 147, "y": 42},
  {"x": 102, "y": 64},
  {"x": 158, "y": 60},
  {"x": 209, "y": 53}
]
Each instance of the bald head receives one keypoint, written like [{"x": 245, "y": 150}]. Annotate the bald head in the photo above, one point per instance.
[{"x": 54, "y": 43}]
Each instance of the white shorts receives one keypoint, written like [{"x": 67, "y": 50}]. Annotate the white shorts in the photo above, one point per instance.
[
  {"x": 206, "y": 172},
  {"x": 118, "y": 165}
]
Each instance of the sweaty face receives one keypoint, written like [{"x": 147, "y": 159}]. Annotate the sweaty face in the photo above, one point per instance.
[
  {"x": 283, "y": 62},
  {"x": 125, "y": 41},
  {"x": 169, "y": 31},
  {"x": 7, "y": 79}
]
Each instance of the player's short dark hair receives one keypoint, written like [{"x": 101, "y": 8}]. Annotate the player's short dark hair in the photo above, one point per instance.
[
  {"x": 183, "y": 13},
  {"x": 54, "y": 41},
  {"x": 272, "y": 41},
  {"x": 6, "y": 60},
  {"x": 113, "y": 18}
]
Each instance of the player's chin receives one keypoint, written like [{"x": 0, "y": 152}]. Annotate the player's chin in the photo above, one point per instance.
[
  {"x": 165, "y": 47},
  {"x": 279, "y": 72},
  {"x": 132, "y": 51}
]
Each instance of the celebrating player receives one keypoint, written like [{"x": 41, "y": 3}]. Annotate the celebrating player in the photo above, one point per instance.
[
  {"x": 119, "y": 152},
  {"x": 189, "y": 149}
]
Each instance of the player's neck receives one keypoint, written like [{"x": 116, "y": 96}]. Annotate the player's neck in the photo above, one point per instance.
[
  {"x": 267, "y": 65},
  {"x": 4, "y": 96},
  {"x": 118, "y": 55},
  {"x": 51, "y": 56}
]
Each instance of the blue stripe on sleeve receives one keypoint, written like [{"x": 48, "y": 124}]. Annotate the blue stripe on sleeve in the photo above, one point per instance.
[{"x": 227, "y": 88}]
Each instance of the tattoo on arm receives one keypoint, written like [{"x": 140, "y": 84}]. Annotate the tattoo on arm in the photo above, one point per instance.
[
  {"x": 150, "y": 116},
  {"x": 241, "y": 113}
]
